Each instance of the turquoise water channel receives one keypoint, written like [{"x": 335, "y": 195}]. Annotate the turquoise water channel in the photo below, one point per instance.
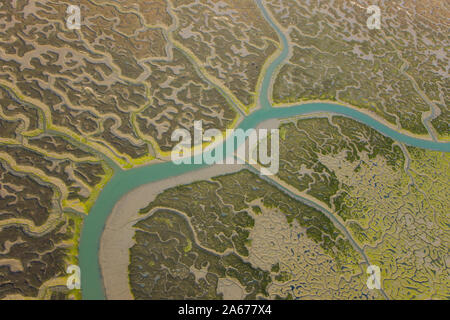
[{"x": 123, "y": 182}]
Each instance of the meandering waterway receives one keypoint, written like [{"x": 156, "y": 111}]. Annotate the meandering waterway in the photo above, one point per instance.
[{"x": 123, "y": 182}]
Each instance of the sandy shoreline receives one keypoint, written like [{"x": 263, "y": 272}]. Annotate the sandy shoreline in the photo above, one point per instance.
[{"x": 117, "y": 237}]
